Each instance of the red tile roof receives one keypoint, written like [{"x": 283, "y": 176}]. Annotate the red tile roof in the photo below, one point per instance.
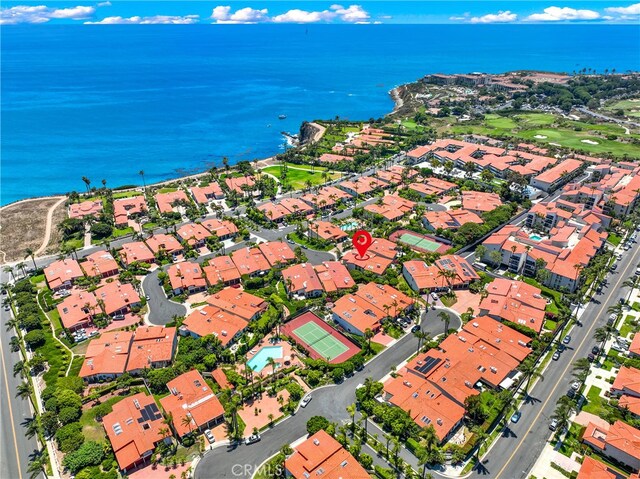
[
  {"x": 203, "y": 194},
  {"x": 221, "y": 228},
  {"x": 136, "y": 251},
  {"x": 117, "y": 296},
  {"x": 187, "y": 276},
  {"x": 323, "y": 456},
  {"x": 133, "y": 428},
  {"x": 123, "y": 208},
  {"x": 165, "y": 201},
  {"x": 250, "y": 261},
  {"x": 78, "y": 308},
  {"x": 193, "y": 233},
  {"x": 327, "y": 231},
  {"x": 301, "y": 278},
  {"x": 592, "y": 469},
  {"x": 191, "y": 397},
  {"x": 277, "y": 252},
  {"x": 62, "y": 271},
  {"x": 100, "y": 263},
  {"x": 334, "y": 276},
  {"x": 86, "y": 208},
  {"x": 214, "y": 320},
  {"x": 238, "y": 302},
  {"x": 221, "y": 269},
  {"x": 480, "y": 201},
  {"x": 163, "y": 241}
]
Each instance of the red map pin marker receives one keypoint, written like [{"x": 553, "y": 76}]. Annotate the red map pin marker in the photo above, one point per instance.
[{"x": 361, "y": 241}]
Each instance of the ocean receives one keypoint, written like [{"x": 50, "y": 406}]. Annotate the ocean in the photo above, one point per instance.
[{"x": 108, "y": 101}]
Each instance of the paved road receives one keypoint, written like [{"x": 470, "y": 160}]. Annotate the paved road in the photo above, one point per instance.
[
  {"x": 16, "y": 448},
  {"x": 331, "y": 402},
  {"x": 607, "y": 118},
  {"x": 515, "y": 453}
]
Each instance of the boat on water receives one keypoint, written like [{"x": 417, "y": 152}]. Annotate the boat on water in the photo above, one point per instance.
[{"x": 282, "y": 117}]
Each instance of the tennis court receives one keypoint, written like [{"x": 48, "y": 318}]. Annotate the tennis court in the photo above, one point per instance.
[
  {"x": 322, "y": 341},
  {"x": 319, "y": 339},
  {"x": 422, "y": 243}
]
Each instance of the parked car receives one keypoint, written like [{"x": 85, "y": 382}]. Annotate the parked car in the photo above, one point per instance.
[
  {"x": 618, "y": 347},
  {"x": 561, "y": 347},
  {"x": 516, "y": 417},
  {"x": 571, "y": 393},
  {"x": 415, "y": 328},
  {"x": 575, "y": 385},
  {"x": 566, "y": 340},
  {"x": 305, "y": 400},
  {"x": 209, "y": 435},
  {"x": 554, "y": 425},
  {"x": 555, "y": 356},
  {"x": 118, "y": 317},
  {"x": 614, "y": 266},
  {"x": 591, "y": 357},
  {"x": 595, "y": 350},
  {"x": 252, "y": 439}
]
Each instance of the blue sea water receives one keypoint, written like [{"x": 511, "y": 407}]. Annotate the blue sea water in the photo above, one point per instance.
[{"x": 108, "y": 101}]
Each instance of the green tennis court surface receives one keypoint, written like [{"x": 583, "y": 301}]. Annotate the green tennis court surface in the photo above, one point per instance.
[
  {"x": 423, "y": 243},
  {"x": 320, "y": 340}
]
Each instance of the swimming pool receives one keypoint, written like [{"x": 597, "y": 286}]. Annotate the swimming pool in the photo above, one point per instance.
[
  {"x": 535, "y": 237},
  {"x": 259, "y": 361},
  {"x": 349, "y": 226}
]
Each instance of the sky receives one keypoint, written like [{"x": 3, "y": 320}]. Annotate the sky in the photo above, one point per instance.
[{"x": 281, "y": 11}]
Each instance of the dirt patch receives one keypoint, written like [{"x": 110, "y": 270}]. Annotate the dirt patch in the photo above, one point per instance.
[
  {"x": 22, "y": 226},
  {"x": 55, "y": 240}
]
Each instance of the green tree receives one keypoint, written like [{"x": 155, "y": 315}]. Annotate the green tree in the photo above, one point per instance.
[{"x": 315, "y": 423}]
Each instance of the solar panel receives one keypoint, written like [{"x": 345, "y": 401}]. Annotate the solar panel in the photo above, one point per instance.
[{"x": 428, "y": 364}]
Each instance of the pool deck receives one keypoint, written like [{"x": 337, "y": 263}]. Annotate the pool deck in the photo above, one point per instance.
[{"x": 287, "y": 353}]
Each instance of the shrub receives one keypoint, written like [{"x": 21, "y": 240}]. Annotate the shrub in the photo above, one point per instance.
[
  {"x": 34, "y": 339},
  {"x": 69, "y": 414},
  {"x": 316, "y": 423},
  {"x": 89, "y": 454}
]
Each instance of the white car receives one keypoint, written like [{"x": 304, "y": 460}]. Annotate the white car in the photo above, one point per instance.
[
  {"x": 209, "y": 435},
  {"x": 305, "y": 400}
]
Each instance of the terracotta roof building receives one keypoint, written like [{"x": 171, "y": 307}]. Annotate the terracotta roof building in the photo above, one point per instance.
[
  {"x": 479, "y": 202},
  {"x": 133, "y": 428},
  {"x": 250, "y": 261},
  {"x": 327, "y": 232},
  {"x": 194, "y": 234},
  {"x": 204, "y": 194},
  {"x": 238, "y": 302},
  {"x": 240, "y": 184},
  {"x": 618, "y": 441},
  {"x": 136, "y": 251},
  {"x": 302, "y": 280},
  {"x": 223, "y": 229},
  {"x": 368, "y": 306},
  {"x": 62, "y": 274},
  {"x": 78, "y": 309},
  {"x": 423, "y": 278},
  {"x": 225, "y": 325},
  {"x": 334, "y": 276},
  {"x": 167, "y": 201},
  {"x": 192, "y": 398},
  {"x": 164, "y": 242},
  {"x": 221, "y": 269},
  {"x": 449, "y": 220},
  {"x": 277, "y": 253},
  {"x": 627, "y": 382},
  {"x": 118, "y": 298},
  {"x": 186, "y": 277},
  {"x": 100, "y": 265},
  {"x": 84, "y": 209},
  {"x": 321, "y": 455},
  {"x": 128, "y": 208}
]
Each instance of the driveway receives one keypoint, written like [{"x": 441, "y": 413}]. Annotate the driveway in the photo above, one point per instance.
[{"x": 161, "y": 310}]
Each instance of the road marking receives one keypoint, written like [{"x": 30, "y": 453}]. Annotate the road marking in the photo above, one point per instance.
[
  {"x": 535, "y": 420},
  {"x": 13, "y": 429}
]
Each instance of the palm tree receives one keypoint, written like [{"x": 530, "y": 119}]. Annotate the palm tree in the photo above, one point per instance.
[
  {"x": 602, "y": 334},
  {"x": 615, "y": 309},
  {"x": 368, "y": 334},
  {"x": 529, "y": 371},
  {"x": 28, "y": 253},
  {"x": 444, "y": 317},
  {"x": 144, "y": 184},
  {"x": 581, "y": 369},
  {"x": 270, "y": 416},
  {"x": 422, "y": 336},
  {"x": 87, "y": 182},
  {"x": 481, "y": 436},
  {"x": 24, "y": 390},
  {"x": 186, "y": 421},
  {"x": 351, "y": 409},
  {"x": 631, "y": 282},
  {"x": 271, "y": 362},
  {"x": 9, "y": 269},
  {"x": 21, "y": 266},
  {"x": 562, "y": 412}
]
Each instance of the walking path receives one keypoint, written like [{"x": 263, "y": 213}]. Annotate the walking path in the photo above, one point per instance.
[{"x": 47, "y": 231}]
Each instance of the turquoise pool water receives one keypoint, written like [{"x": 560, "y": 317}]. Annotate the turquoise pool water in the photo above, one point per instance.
[
  {"x": 349, "y": 226},
  {"x": 535, "y": 237},
  {"x": 259, "y": 361}
]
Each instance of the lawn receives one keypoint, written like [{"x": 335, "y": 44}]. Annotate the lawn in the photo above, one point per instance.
[
  {"x": 532, "y": 126},
  {"x": 594, "y": 401},
  {"x": 117, "y": 233},
  {"x": 126, "y": 194},
  {"x": 502, "y": 122},
  {"x": 572, "y": 442},
  {"x": 630, "y": 107},
  {"x": 92, "y": 429},
  {"x": 550, "y": 325},
  {"x": 448, "y": 301},
  {"x": 167, "y": 190},
  {"x": 614, "y": 239},
  {"x": 297, "y": 177},
  {"x": 304, "y": 241},
  {"x": 627, "y": 327}
]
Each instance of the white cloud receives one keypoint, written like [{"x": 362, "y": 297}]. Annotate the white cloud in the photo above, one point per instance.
[
  {"x": 42, "y": 14},
  {"x": 153, "y": 20},
  {"x": 350, "y": 14},
  {"x": 76, "y": 13},
  {"x": 500, "y": 17},
  {"x": 105, "y": 4},
  {"x": 303, "y": 16},
  {"x": 222, "y": 14},
  {"x": 556, "y": 14},
  {"x": 630, "y": 10}
]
